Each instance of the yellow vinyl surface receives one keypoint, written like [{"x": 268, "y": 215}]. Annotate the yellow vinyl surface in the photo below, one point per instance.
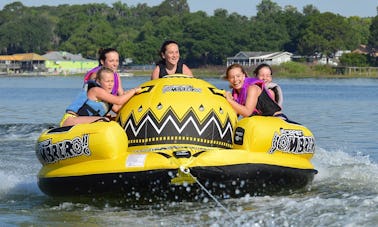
[{"x": 170, "y": 115}]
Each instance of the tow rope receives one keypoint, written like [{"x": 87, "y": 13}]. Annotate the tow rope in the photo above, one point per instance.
[{"x": 185, "y": 177}]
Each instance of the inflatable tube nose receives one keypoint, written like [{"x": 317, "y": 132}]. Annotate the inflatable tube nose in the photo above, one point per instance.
[{"x": 143, "y": 90}]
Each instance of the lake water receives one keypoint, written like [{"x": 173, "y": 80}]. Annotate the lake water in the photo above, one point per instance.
[{"x": 342, "y": 114}]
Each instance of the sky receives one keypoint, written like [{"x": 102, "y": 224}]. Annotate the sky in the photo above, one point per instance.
[{"x": 346, "y": 8}]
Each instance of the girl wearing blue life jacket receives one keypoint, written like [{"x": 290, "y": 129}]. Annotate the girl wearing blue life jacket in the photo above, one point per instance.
[
  {"x": 249, "y": 96},
  {"x": 95, "y": 103},
  {"x": 170, "y": 62},
  {"x": 109, "y": 58}
]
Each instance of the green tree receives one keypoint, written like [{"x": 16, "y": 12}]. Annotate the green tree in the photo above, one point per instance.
[
  {"x": 294, "y": 23},
  {"x": 195, "y": 35},
  {"x": 25, "y": 34},
  {"x": 172, "y": 8},
  {"x": 267, "y": 8},
  {"x": 360, "y": 30},
  {"x": 309, "y": 10},
  {"x": 147, "y": 45},
  {"x": 222, "y": 30},
  {"x": 268, "y": 30},
  {"x": 325, "y": 33},
  {"x": 138, "y": 31},
  {"x": 373, "y": 38},
  {"x": 89, "y": 38},
  {"x": 86, "y": 29},
  {"x": 354, "y": 59},
  {"x": 210, "y": 40},
  {"x": 12, "y": 11}
]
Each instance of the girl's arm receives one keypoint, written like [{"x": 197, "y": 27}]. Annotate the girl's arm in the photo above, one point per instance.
[
  {"x": 98, "y": 93},
  {"x": 120, "y": 90},
  {"x": 250, "y": 104},
  {"x": 186, "y": 70},
  {"x": 155, "y": 73},
  {"x": 130, "y": 93}
]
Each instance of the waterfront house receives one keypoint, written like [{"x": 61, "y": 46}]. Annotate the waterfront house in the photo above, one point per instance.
[
  {"x": 363, "y": 49},
  {"x": 21, "y": 63},
  {"x": 251, "y": 58},
  {"x": 64, "y": 62}
]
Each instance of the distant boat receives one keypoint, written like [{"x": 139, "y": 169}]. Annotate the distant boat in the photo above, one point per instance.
[{"x": 125, "y": 74}]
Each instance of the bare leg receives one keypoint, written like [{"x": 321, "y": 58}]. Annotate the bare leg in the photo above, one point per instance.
[{"x": 80, "y": 120}]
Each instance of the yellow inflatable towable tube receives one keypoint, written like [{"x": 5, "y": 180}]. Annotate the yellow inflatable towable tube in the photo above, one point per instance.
[{"x": 177, "y": 132}]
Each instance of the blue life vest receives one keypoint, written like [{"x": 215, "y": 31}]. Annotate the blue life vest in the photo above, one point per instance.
[{"x": 83, "y": 106}]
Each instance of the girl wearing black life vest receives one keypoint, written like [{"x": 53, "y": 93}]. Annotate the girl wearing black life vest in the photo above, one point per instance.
[
  {"x": 170, "y": 62},
  {"x": 264, "y": 72}
]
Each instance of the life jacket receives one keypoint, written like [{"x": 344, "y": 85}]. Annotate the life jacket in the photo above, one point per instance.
[
  {"x": 163, "y": 68},
  {"x": 94, "y": 108},
  {"x": 83, "y": 106},
  {"x": 278, "y": 96},
  {"x": 87, "y": 77},
  {"x": 265, "y": 106}
]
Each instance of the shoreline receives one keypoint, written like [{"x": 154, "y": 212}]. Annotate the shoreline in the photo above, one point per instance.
[{"x": 214, "y": 73}]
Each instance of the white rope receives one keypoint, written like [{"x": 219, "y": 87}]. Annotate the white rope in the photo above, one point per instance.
[{"x": 187, "y": 171}]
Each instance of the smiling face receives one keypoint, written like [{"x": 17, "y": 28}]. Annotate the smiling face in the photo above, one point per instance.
[
  {"x": 236, "y": 77},
  {"x": 171, "y": 54},
  {"x": 106, "y": 80},
  {"x": 265, "y": 74},
  {"x": 111, "y": 60}
]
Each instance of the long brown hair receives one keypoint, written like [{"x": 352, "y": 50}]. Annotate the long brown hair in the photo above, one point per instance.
[
  {"x": 102, "y": 54},
  {"x": 163, "y": 48},
  {"x": 259, "y": 67},
  {"x": 234, "y": 66}
]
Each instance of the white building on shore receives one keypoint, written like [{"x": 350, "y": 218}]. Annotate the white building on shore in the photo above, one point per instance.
[{"x": 251, "y": 58}]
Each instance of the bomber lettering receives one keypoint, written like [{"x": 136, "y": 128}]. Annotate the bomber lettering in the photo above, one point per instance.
[
  {"x": 292, "y": 141},
  {"x": 48, "y": 152}
]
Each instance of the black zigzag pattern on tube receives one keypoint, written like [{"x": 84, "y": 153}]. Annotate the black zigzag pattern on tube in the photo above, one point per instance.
[{"x": 171, "y": 130}]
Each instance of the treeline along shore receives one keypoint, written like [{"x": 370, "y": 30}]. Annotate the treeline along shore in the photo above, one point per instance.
[
  {"x": 137, "y": 32},
  {"x": 287, "y": 70}
]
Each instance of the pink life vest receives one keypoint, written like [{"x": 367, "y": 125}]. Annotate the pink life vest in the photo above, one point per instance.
[
  {"x": 241, "y": 97},
  {"x": 265, "y": 105}
]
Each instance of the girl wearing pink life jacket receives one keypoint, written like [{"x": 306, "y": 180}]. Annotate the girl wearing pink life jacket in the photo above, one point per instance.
[
  {"x": 249, "y": 96},
  {"x": 109, "y": 58}
]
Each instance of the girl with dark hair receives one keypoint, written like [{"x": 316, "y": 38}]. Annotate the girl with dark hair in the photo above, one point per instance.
[
  {"x": 249, "y": 96},
  {"x": 264, "y": 72},
  {"x": 170, "y": 62},
  {"x": 109, "y": 58}
]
